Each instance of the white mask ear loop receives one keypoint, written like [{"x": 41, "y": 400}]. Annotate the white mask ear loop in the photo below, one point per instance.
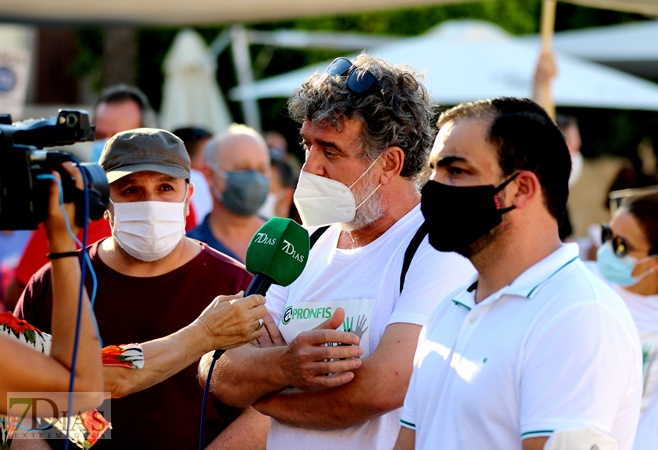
[
  {"x": 362, "y": 175},
  {"x": 365, "y": 172}
]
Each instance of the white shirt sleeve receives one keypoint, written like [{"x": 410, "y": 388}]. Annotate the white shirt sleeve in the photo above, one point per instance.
[
  {"x": 408, "y": 419},
  {"x": 568, "y": 379},
  {"x": 431, "y": 277},
  {"x": 275, "y": 301}
]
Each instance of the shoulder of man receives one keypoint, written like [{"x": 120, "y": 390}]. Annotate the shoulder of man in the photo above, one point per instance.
[{"x": 35, "y": 303}]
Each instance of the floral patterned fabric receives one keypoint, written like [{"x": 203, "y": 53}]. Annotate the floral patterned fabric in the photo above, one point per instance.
[{"x": 129, "y": 356}]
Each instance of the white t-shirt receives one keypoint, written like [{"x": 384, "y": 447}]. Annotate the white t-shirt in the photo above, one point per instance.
[
  {"x": 366, "y": 283},
  {"x": 202, "y": 198},
  {"x": 556, "y": 349},
  {"x": 644, "y": 310}
]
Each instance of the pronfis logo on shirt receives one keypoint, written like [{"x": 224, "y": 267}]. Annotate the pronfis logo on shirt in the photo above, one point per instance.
[{"x": 292, "y": 313}]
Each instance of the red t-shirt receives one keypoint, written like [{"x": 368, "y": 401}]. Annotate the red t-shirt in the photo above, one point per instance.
[
  {"x": 34, "y": 255},
  {"x": 131, "y": 309}
]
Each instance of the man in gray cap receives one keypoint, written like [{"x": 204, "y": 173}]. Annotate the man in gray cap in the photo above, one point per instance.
[{"x": 153, "y": 282}]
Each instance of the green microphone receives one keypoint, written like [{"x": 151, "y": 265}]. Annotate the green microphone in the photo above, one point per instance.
[{"x": 276, "y": 254}]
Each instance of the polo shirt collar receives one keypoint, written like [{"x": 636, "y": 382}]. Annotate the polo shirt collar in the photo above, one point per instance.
[{"x": 527, "y": 284}]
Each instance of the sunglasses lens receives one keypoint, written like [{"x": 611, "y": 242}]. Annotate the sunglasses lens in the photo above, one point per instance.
[
  {"x": 620, "y": 247},
  {"x": 339, "y": 66},
  {"x": 360, "y": 81}
]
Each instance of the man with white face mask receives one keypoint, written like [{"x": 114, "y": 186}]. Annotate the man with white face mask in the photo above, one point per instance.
[
  {"x": 152, "y": 282},
  {"x": 365, "y": 149}
]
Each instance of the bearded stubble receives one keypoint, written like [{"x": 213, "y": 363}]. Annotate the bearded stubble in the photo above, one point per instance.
[
  {"x": 372, "y": 210},
  {"x": 485, "y": 247}
]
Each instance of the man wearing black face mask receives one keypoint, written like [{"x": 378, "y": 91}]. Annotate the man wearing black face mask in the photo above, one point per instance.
[
  {"x": 534, "y": 344},
  {"x": 237, "y": 167}
]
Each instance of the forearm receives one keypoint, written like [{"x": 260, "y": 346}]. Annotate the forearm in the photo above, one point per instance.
[
  {"x": 358, "y": 401},
  {"x": 66, "y": 286},
  {"x": 244, "y": 374},
  {"x": 163, "y": 358},
  {"x": 247, "y": 432},
  {"x": 379, "y": 386}
]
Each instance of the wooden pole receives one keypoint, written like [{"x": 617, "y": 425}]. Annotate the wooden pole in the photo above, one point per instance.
[{"x": 547, "y": 28}]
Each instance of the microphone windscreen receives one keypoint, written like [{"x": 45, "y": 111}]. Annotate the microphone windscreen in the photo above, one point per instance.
[{"x": 279, "y": 250}]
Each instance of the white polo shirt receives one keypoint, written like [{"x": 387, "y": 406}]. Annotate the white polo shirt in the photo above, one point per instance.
[{"x": 556, "y": 349}]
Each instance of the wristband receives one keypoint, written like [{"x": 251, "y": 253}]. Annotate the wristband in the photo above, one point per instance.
[{"x": 52, "y": 256}]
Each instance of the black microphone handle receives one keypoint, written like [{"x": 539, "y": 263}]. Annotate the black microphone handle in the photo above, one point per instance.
[{"x": 259, "y": 285}]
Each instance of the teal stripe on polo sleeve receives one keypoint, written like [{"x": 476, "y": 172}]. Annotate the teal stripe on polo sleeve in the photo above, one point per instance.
[{"x": 406, "y": 424}]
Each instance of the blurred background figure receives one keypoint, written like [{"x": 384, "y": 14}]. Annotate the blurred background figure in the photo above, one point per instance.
[
  {"x": 237, "y": 168},
  {"x": 119, "y": 108},
  {"x": 628, "y": 262},
  {"x": 279, "y": 202},
  {"x": 278, "y": 146},
  {"x": 12, "y": 244},
  {"x": 195, "y": 140},
  {"x": 544, "y": 73}
]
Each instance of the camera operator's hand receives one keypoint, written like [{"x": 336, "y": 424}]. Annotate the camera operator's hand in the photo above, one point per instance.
[{"x": 59, "y": 239}]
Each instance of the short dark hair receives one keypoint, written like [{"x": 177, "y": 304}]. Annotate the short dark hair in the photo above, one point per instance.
[
  {"x": 285, "y": 171},
  {"x": 526, "y": 139},
  {"x": 401, "y": 117},
  {"x": 191, "y": 137},
  {"x": 644, "y": 208},
  {"x": 122, "y": 92}
]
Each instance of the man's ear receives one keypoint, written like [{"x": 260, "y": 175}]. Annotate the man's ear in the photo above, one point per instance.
[
  {"x": 392, "y": 161},
  {"x": 527, "y": 190},
  {"x": 188, "y": 198}
]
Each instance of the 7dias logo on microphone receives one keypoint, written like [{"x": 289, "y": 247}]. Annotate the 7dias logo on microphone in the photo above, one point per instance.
[
  {"x": 262, "y": 238},
  {"x": 290, "y": 250}
]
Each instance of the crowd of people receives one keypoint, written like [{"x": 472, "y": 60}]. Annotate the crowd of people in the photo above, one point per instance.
[{"x": 440, "y": 306}]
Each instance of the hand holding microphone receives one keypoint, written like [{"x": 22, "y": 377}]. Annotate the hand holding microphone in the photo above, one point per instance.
[
  {"x": 277, "y": 254},
  {"x": 232, "y": 320}
]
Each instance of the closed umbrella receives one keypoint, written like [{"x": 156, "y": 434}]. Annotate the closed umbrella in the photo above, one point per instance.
[{"x": 191, "y": 96}]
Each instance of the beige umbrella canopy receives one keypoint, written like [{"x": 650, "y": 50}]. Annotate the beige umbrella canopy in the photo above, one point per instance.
[{"x": 198, "y": 12}]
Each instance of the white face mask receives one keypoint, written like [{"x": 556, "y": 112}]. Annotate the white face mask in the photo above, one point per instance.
[
  {"x": 321, "y": 201},
  {"x": 576, "y": 168},
  {"x": 268, "y": 210},
  {"x": 148, "y": 231}
]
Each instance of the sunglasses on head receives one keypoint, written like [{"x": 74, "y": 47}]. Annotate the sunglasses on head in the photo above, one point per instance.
[
  {"x": 619, "y": 244},
  {"x": 359, "y": 80}
]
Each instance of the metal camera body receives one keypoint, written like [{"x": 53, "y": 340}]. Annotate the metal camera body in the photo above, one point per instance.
[{"x": 23, "y": 194}]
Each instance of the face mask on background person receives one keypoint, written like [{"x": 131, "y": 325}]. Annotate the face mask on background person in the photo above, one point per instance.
[
  {"x": 321, "y": 201},
  {"x": 98, "y": 149},
  {"x": 458, "y": 216},
  {"x": 245, "y": 191},
  {"x": 617, "y": 269},
  {"x": 150, "y": 230},
  {"x": 577, "y": 163}
]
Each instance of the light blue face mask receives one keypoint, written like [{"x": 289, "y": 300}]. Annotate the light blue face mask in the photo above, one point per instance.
[
  {"x": 617, "y": 269},
  {"x": 97, "y": 150}
]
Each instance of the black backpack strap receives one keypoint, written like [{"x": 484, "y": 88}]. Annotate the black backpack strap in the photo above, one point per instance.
[
  {"x": 316, "y": 235},
  {"x": 411, "y": 251}
]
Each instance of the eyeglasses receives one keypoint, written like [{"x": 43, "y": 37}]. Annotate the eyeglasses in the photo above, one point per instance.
[
  {"x": 619, "y": 244},
  {"x": 359, "y": 80}
]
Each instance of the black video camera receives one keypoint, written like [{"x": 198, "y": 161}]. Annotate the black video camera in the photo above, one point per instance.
[{"x": 24, "y": 192}]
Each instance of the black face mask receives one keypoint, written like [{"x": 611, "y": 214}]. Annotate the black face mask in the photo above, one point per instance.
[{"x": 457, "y": 216}]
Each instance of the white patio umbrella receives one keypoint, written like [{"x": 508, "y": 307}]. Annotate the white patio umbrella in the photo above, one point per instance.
[
  {"x": 631, "y": 47},
  {"x": 191, "y": 96},
  {"x": 470, "y": 60}
]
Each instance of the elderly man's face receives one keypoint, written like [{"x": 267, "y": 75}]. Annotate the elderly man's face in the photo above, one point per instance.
[{"x": 334, "y": 154}]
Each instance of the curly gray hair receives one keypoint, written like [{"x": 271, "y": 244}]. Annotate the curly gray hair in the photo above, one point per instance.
[{"x": 401, "y": 117}]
